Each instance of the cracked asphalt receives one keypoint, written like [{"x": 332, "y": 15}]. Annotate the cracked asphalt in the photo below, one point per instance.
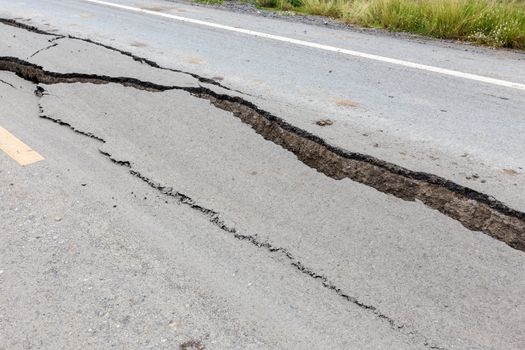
[{"x": 176, "y": 210}]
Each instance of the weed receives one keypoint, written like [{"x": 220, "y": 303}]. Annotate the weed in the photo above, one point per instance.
[{"x": 499, "y": 23}]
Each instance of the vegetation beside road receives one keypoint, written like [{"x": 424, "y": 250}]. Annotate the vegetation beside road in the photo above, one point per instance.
[{"x": 499, "y": 23}]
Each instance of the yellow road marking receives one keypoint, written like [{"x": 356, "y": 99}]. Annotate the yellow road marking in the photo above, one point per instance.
[{"x": 17, "y": 150}]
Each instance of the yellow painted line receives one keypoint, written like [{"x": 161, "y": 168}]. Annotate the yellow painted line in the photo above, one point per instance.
[{"x": 17, "y": 150}]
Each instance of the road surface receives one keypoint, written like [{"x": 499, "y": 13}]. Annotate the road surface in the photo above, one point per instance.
[{"x": 181, "y": 177}]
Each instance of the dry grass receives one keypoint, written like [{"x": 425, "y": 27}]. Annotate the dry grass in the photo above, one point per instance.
[{"x": 496, "y": 23}]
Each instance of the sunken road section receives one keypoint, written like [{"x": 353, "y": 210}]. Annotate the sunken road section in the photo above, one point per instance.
[{"x": 475, "y": 210}]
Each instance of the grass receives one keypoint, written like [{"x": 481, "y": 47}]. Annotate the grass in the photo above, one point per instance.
[{"x": 498, "y": 23}]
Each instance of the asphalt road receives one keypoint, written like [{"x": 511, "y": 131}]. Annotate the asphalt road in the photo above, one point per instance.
[{"x": 192, "y": 201}]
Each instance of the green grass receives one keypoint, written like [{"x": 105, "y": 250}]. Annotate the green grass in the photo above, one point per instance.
[{"x": 491, "y": 22}]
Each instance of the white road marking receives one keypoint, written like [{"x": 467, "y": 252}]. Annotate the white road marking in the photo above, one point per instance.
[{"x": 394, "y": 61}]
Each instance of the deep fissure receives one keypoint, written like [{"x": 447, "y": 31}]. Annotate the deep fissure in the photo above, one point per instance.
[{"x": 475, "y": 210}]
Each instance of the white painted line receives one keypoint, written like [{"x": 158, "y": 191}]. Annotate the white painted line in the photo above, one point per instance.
[{"x": 394, "y": 61}]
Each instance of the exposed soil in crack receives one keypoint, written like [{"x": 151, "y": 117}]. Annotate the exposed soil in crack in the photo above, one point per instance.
[{"x": 475, "y": 210}]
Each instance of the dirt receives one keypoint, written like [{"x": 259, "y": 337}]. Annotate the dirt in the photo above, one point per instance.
[
  {"x": 158, "y": 8},
  {"x": 344, "y": 102},
  {"x": 192, "y": 345},
  {"x": 510, "y": 172},
  {"x": 324, "y": 122},
  {"x": 139, "y": 44}
]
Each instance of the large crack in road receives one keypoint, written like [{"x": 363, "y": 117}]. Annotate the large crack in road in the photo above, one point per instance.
[{"x": 475, "y": 210}]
